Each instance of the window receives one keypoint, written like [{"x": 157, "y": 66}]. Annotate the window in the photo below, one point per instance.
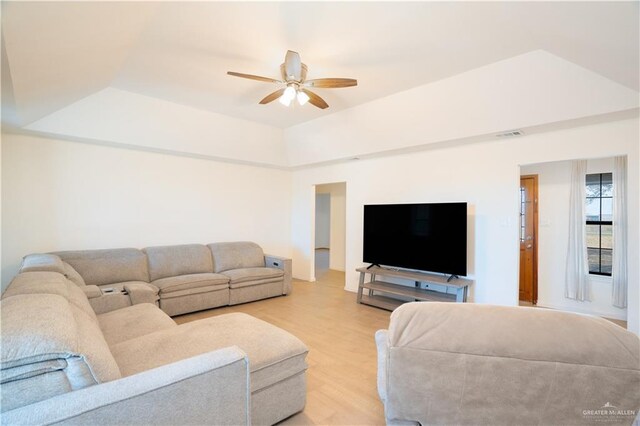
[{"x": 599, "y": 207}]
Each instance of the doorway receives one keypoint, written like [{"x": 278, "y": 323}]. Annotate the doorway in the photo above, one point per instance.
[
  {"x": 330, "y": 231},
  {"x": 528, "y": 288},
  {"x": 323, "y": 231}
]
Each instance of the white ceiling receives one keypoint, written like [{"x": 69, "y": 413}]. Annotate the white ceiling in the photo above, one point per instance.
[{"x": 59, "y": 53}]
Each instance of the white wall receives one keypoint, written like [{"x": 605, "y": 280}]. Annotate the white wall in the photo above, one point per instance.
[
  {"x": 338, "y": 225},
  {"x": 528, "y": 90},
  {"x": 554, "y": 186},
  {"x": 486, "y": 175},
  {"x": 59, "y": 195},
  {"x": 323, "y": 220},
  {"x": 130, "y": 119}
]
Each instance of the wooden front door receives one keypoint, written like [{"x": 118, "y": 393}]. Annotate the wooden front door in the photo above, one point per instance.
[{"x": 528, "y": 239}]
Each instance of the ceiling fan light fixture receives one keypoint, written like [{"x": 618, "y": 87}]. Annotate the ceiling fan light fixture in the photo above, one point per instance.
[
  {"x": 294, "y": 77},
  {"x": 288, "y": 95},
  {"x": 303, "y": 98},
  {"x": 285, "y": 100}
]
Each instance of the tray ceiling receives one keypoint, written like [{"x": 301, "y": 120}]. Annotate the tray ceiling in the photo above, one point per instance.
[{"x": 59, "y": 53}]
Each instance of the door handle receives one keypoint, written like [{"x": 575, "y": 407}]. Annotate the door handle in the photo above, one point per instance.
[{"x": 529, "y": 246}]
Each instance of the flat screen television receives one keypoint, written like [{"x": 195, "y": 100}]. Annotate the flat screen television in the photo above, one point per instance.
[{"x": 426, "y": 237}]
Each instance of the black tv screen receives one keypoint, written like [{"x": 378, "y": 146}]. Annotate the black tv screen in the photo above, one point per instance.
[{"x": 426, "y": 237}]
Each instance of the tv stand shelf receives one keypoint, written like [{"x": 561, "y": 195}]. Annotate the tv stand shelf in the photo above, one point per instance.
[{"x": 379, "y": 291}]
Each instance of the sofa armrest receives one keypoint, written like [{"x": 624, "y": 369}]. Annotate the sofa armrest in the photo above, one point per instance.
[
  {"x": 142, "y": 293},
  {"x": 92, "y": 291},
  {"x": 211, "y": 388},
  {"x": 42, "y": 262},
  {"x": 382, "y": 343},
  {"x": 283, "y": 263}
]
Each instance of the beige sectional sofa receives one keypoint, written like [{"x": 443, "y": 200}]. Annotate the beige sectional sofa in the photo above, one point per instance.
[
  {"x": 468, "y": 364},
  {"x": 61, "y": 362},
  {"x": 180, "y": 278}
]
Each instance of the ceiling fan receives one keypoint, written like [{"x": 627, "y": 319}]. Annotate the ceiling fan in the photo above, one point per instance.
[{"x": 294, "y": 78}]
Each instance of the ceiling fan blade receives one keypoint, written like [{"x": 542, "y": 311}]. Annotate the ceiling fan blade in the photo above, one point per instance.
[
  {"x": 283, "y": 72},
  {"x": 315, "y": 100},
  {"x": 331, "y": 83},
  {"x": 253, "y": 77},
  {"x": 292, "y": 66},
  {"x": 272, "y": 97}
]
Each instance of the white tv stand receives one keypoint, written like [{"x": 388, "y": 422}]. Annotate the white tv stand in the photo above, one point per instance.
[{"x": 384, "y": 289}]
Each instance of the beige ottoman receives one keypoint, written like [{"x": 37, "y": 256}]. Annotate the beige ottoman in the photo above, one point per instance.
[{"x": 276, "y": 358}]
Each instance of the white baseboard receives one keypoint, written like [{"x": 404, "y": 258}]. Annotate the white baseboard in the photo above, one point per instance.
[{"x": 622, "y": 315}]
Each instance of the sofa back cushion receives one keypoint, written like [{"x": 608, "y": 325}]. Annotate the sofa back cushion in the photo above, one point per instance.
[
  {"x": 513, "y": 332},
  {"x": 46, "y": 262},
  {"x": 40, "y": 262},
  {"x": 101, "y": 267},
  {"x": 73, "y": 275},
  {"x": 172, "y": 261},
  {"x": 50, "y": 283},
  {"x": 48, "y": 347},
  {"x": 236, "y": 255}
]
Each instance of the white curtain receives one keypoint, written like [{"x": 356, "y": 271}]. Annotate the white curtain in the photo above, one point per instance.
[
  {"x": 619, "y": 271},
  {"x": 577, "y": 277}
]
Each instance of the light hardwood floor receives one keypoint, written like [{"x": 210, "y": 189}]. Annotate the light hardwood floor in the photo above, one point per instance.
[{"x": 341, "y": 380}]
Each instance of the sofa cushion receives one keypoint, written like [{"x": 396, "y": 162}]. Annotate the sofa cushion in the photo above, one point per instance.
[
  {"x": 101, "y": 267},
  {"x": 236, "y": 255},
  {"x": 253, "y": 276},
  {"x": 171, "y": 261},
  {"x": 274, "y": 354},
  {"x": 58, "y": 350},
  {"x": 193, "y": 300},
  {"x": 42, "y": 262},
  {"x": 92, "y": 346},
  {"x": 258, "y": 282},
  {"x": 190, "y": 281},
  {"x": 73, "y": 275},
  {"x": 196, "y": 290},
  {"x": 36, "y": 282},
  {"x": 134, "y": 321},
  {"x": 579, "y": 339},
  {"x": 27, "y": 339},
  {"x": 49, "y": 283},
  {"x": 30, "y": 370},
  {"x": 45, "y": 382}
]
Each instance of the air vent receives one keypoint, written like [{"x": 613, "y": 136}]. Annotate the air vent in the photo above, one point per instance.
[{"x": 510, "y": 134}]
